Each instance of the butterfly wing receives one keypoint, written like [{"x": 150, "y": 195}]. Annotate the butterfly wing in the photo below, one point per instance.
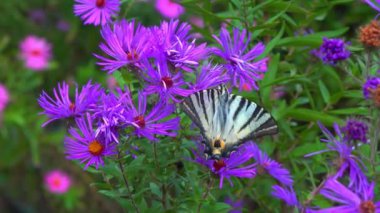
[
  {"x": 201, "y": 107},
  {"x": 242, "y": 119}
]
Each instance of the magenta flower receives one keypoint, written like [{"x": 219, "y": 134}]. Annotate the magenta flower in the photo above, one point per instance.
[
  {"x": 85, "y": 146},
  {"x": 96, "y": 12},
  {"x": 161, "y": 81},
  {"x": 349, "y": 201},
  {"x": 286, "y": 194},
  {"x": 63, "y": 107},
  {"x": 241, "y": 63},
  {"x": 347, "y": 161},
  {"x": 371, "y": 87},
  {"x": 35, "y": 52},
  {"x": 4, "y": 97},
  {"x": 232, "y": 166},
  {"x": 57, "y": 182},
  {"x": 332, "y": 51},
  {"x": 169, "y": 8},
  {"x": 356, "y": 130},
  {"x": 124, "y": 43},
  {"x": 273, "y": 168},
  {"x": 209, "y": 77},
  {"x": 153, "y": 123}
]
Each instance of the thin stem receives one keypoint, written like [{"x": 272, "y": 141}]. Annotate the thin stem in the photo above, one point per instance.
[
  {"x": 375, "y": 139},
  {"x": 127, "y": 184},
  {"x": 205, "y": 195},
  {"x": 155, "y": 155},
  {"x": 314, "y": 193}
]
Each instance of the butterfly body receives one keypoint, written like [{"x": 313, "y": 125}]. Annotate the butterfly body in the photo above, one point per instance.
[{"x": 226, "y": 120}]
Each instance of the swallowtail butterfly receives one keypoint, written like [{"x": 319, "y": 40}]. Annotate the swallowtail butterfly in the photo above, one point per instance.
[{"x": 226, "y": 120}]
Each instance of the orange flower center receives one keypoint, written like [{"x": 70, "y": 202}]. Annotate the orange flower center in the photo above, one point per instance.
[
  {"x": 140, "y": 121},
  {"x": 367, "y": 207},
  {"x": 56, "y": 182},
  {"x": 100, "y": 3},
  {"x": 219, "y": 164},
  {"x": 167, "y": 82},
  {"x": 72, "y": 107},
  {"x": 132, "y": 56},
  {"x": 95, "y": 148},
  {"x": 375, "y": 94}
]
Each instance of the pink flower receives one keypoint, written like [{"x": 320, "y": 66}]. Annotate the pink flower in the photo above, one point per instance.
[
  {"x": 169, "y": 8},
  {"x": 35, "y": 52},
  {"x": 111, "y": 83},
  {"x": 57, "y": 182},
  {"x": 4, "y": 97},
  {"x": 197, "y": 21}
]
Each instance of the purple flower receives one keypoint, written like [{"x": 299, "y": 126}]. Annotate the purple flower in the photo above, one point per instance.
[
  {"x": 374, "y": 5},
  {"x": 124, "y": 43},
  {"x": 109, "y": 114},
  {"x": 350, "y": 201},
  {"x": 347, "y": 162},
  {"x": 273, "y": 168},
  {"x": 35, "y": 53},
  {"x": 240, "y": 62},
  {"x": 332, "y": 51},
  {"x": 96, "y": 12},
  {"x": 161, "y": 81},
  {"x": 153, "y": 123},
  {"x": 232, "y": 166},
  {"x": 4, "y": 97},
  {"x": 237, "y": 205},
  {"x": 63, "y": 107},
  {"x": 171, "y": 40},
  {"x": 356, "y": 130},
  {"x": 371, "y": 88},
  {"x": 209, "y": 76},
  {"x": 85, "y": 146},
  {"x": 286, "y": 194}
]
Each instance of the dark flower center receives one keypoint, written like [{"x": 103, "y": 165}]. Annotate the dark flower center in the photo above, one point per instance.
[
  {"x": 132, "y": 56},
  {"x": 367, "y": 207},
  {"x": 95, "y": 148},
  {"x": 72, "y": 107},
  {"x": 140, "y": 121},
  {"x": 35, "y": 52},
  {"x": 167, "y": 82},
  {"x": 219, "y": 164},
  {"x": 100, "y": 3}
]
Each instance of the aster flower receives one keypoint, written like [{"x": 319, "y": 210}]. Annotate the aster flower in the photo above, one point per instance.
[
  {"x": 273, "y": 168},
  {"x": 232, "y": 166},
  {"x": 109, "y": 115},
  {"x": 286, "y": 194},
  {"x": 85, "y": 146},
  {"x": 149, "y": 124},
  {"x": 4, "y": 97},
  {"x": 371, "y": 89},
  {"x": 172, "y": 41},
  {"x": 124, "y": 43},
  {"x": 208, "y": 77},
  {"x": 347, "y": 162},
  {"x": 161, "y": 81},
  {"x": 63, "y": 107},
  {"x": 332, "y": 51},
  {"x": 57, "y": 182},
  {"x": 240, "y": 61},
  {"x": 350, "y": 201},
  {"x": 370, "y": 34},
  {"x": 356, "y": 130},
  {"x": 237, "y": 205},
  {"x": 35, "y": 52},
  {"x": 96, "y": 12},
  {"x": 374, "y": 5},
  {"x": 169, "y": 8}
]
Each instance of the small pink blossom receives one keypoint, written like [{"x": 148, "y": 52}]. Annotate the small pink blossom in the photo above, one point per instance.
[
  {"x": 111, "y": 83},
  {"x": 57, "y": 182},
  {"x": 197, "y": 21},
  {"x": 35, "y": 52},
  {"x": 169, "y": 8},
  {"x": 4, "y": 97}
]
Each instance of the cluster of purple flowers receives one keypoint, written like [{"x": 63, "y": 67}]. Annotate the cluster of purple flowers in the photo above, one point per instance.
[
  {"x": 332, "y": 51},
  {"x": 170, "y": 64}
]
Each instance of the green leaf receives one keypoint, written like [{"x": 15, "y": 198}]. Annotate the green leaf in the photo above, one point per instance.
[
  {"x": 324, "y": 91},
  {"x": 305, "y": 114}
]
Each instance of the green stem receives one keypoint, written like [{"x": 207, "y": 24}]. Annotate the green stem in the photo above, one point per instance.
[{"x": 205, "y": 195}]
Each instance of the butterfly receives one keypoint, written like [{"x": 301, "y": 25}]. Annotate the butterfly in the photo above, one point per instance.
[{"x": 226, "y": 120}]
